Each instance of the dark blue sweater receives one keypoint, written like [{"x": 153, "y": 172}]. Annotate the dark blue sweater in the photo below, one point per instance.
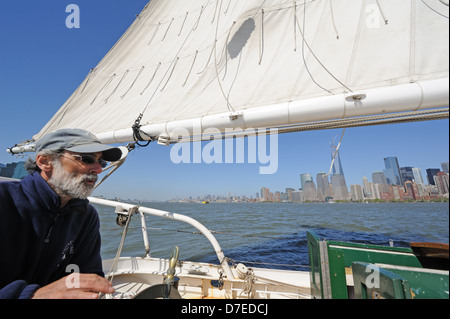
[{"x": 41, "y": 242}]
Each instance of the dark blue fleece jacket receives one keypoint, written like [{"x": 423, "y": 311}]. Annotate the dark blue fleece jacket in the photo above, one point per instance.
[{"x": 41, "y": 242}]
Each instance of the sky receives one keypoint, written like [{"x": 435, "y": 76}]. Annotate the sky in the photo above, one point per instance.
[{"x": 42, "y": 62}]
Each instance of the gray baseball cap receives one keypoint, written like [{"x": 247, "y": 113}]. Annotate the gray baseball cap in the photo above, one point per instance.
[{"x": 78, "y": 141}]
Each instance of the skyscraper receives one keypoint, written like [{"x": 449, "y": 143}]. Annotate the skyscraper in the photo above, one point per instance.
[
  {"x": 310, "y": 192},
  {"x": 357, "y": 192},
  {"x": 323, "y": 187},
  {"x": 337, "y": 165},
  {"x": 265, "y": 194},
  {"x": 418, "y": 176},
  {"x": 340, "y": 189},
  {"x": 339, "y": 185},
  {"x": 305, "y": 178},
  {"x": 406, "y": 173},
  {"x": 367, "y": 188},
  {"x": 379, "y": 178},
  {"x": 431, "y": 173},
  {"x": 445, "y": 167},
  {"x": 442, "y": 182},
  {"x": 392, "y": 171}
]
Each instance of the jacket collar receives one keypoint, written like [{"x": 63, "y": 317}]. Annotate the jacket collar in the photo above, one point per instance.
[{"x": 42, "y": 193}]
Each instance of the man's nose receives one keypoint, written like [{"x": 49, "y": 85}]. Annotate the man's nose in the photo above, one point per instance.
[{"x": 95, "y": 168}]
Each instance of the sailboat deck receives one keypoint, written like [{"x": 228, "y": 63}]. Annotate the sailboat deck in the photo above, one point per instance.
[{"x": 202, "y": 281}]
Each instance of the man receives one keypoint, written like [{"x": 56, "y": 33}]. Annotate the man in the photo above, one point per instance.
[{"x": 48, "y": 229}]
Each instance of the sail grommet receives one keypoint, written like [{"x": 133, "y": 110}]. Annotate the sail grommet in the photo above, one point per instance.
[
  {"x": 356, "y": 97},
  {"x": 235, "y": 115}
]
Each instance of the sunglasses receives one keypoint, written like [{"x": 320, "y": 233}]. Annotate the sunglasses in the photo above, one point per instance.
[{"x": 88, "y": 159}]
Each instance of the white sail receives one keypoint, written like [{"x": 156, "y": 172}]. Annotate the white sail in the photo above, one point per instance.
[{"x": 222, "y": 64}]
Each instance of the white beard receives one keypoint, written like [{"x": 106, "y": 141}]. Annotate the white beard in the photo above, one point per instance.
[{"x": 70, "y": 185}]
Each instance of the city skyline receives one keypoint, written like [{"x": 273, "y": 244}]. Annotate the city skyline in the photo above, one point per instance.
[
  {"x": 398, "y": 176},
  {"x": 321, "y": 192},
  {"x": 323, "y": 183}
]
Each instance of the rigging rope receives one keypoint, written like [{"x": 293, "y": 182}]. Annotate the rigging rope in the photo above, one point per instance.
[
  {"x": 230, "y": 108},
  {"x": 434, "y": 10},
  {"x": 386, "y": 21},
  {"x": 107, "y": 83},
  {"x": 261, "y": 48},
  {"x": 134, "y": 82},
  {"x": 153, "y": 77},
  {"x": 247, "y": 286},
  {"x": 332, "y": 18},
  {"x": 199, "y": 17},
  {"x": 168, "y": 28},
  {"x": 233, "y": 261},
  {"x": 182, "y": 26},
  {"x": 190, "y": 71},
  {"x": 87, "y": 79},
  {"x": 114, "y": 167},
  {"x": 113, "y": 269},
  {"x": 228, "y": 7},
  {"x": 171, "y": 73},
  {"x": 314, "y": 55},
  {"x": 154, "y": 34},
  {"x": 215, "y": 10},
  {"x": 303, "y": 49},
  {"x": 117, "y": 86}
]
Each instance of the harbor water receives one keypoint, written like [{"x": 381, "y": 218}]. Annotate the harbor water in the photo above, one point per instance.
[{"x": 273, "y": 235}]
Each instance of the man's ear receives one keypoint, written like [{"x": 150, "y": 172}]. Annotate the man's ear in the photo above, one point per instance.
[{"x": 44, "y": 162}]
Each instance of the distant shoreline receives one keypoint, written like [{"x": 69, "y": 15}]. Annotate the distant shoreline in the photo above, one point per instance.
[{"x": 446, "y": 200}]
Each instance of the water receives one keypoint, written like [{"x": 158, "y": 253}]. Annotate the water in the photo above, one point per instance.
[{"x": 275, "y": 233}]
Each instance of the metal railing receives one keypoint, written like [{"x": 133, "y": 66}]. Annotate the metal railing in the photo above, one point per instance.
[{"x": 124, "y": 208}]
